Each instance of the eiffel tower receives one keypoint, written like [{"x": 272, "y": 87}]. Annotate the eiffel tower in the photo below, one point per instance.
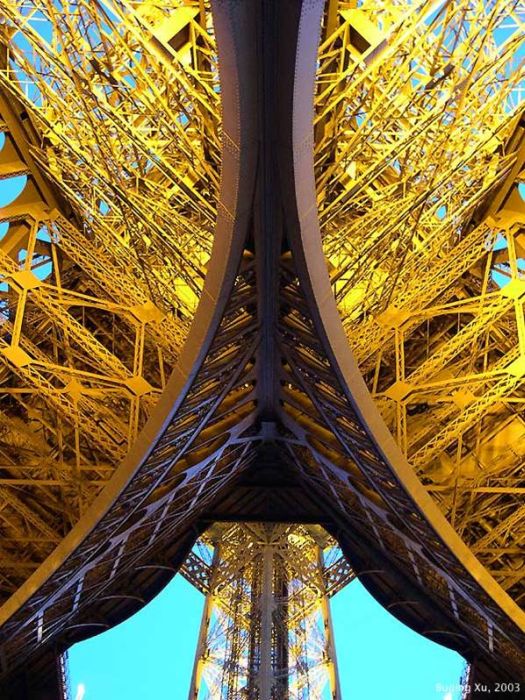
[{"x": 262, "y": 289}]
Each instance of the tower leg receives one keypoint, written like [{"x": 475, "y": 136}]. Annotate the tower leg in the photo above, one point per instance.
[
  {"x": 483, "y": 683},
  {"x": 266, "y": 631},
  {"x": 266, "y": 676}
]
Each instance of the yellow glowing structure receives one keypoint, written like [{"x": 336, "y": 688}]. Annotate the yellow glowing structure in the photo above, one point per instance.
[
  {"x": 420, "y": 156},
  {"x": 103, "y": 108},
  {"x": 111, "y": 113}
]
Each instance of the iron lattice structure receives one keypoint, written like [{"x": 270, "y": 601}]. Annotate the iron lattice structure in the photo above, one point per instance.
[
  {"x": 423, "y": 145},
  {"x": 266, "y": 629},
  {"x": 96, "y": 297},
  {"x": 232, "y": 215}
]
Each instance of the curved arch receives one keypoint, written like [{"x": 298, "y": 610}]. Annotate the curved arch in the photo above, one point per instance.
[
  {"x": 219, "y": 362},
  {"x": 313, "y": 273},
  {"x": 139, "y": 472}
]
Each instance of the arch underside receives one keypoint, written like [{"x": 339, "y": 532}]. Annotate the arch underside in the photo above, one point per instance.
[{"x": 266, "y": 416}]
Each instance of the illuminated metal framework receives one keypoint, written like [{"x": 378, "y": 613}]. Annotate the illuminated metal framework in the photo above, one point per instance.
[
  {"x": 266, "y": 628},
  {"x": 229, "y": 215},
  {"x": 420, "y": 152},
  {"x": 102, "y": 268}
]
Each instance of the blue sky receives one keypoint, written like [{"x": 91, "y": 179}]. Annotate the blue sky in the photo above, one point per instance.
[{"x": 150, "y": 656}]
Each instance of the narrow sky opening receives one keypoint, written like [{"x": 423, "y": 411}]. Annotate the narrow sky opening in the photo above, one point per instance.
[{"x": 151, "y": 655}]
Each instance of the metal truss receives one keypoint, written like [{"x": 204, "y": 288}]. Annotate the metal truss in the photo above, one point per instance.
[
  {"x": 419, "y": 154},
  {"x": 266, "y": 629},
  {"x": 105, "y": 248},
  {"x": 370, "y": 157}
]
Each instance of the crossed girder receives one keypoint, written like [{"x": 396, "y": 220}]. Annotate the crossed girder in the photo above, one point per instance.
[{"x": 266, "y": 416}]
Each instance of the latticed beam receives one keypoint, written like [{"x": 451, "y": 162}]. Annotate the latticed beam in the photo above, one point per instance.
[
  {"x": 104, "y": 251},
  {"x": 415, "y": 148},
  {"x": 420, "y": 153}
]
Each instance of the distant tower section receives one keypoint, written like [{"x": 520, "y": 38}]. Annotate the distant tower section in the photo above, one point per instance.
[{"x": 266, "y": 631}]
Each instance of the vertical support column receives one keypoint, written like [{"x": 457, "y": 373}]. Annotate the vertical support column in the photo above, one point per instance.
[
  {"x": 266, "y": 631},
  {"x": 255, "y": 638},
  {"x": 202, "y": 642},
  {"x": 198, "y": 664},
  {"x": 281, "y": 623},
  {"x": 63, "y": 676},
  {"x": 333, "y": 670},
  {"x": 266, "y": 674}
]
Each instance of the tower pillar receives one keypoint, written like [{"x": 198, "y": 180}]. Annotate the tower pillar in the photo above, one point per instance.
[
  {"x": 266, "y": 679},
  {"x": 266, "y": 631}
]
